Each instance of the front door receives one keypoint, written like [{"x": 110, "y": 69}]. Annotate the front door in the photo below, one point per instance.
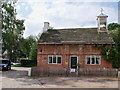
[{"x": 73, "y": 62}]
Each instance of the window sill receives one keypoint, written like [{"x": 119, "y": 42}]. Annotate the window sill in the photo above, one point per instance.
[
  {"x": 55, "y": 64},
  {"x": 93, "y": 64}
]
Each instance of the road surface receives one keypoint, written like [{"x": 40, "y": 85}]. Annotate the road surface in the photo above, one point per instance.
[{"x": 18, "y": 78}]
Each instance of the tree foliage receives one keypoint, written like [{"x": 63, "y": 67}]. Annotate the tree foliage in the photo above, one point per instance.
[
  {"x": 113, "y": 26},
  {"x": 116, "y": 49},
  {"x": 28, "y": 47},
  {"x": 12, "y": 34},
  {"x": 33, "y": 52},
  {"x": 112, "y": 54},
  {"x": 12, "y": 28}
]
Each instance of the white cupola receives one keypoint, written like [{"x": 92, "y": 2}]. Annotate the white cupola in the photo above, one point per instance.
[{"x": 102, "y": 22}]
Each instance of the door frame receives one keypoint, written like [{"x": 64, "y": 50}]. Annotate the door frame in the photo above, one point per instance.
[{"x": 70, "y": 60}]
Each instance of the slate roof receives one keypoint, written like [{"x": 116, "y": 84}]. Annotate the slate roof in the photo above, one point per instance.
[{"x": 75, "y": 35}]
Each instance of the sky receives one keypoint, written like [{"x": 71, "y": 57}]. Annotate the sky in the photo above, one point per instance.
[{"x": 63, "y": 13}]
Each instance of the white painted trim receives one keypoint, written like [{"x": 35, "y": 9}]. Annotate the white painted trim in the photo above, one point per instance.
[
  {"x": 70, "y": 60},
  {"x": 56, "y": 59},
  {"x": 91, "y": 60}
]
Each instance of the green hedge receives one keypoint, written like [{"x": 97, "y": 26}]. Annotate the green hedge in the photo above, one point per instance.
[
  {"x": 15, "y": 65},
  {"x": 28, "y": 63}
]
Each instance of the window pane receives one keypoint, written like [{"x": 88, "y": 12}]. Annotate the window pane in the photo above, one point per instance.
[
  {"x": 93, "y": 60},
  {"x": 97, "y": 60},
  {"x": 50, "y": 59},
  {"x": 54, "y": 59},
  {"x": 88, "y": 60},
  {"x": 59, "y": 60}
]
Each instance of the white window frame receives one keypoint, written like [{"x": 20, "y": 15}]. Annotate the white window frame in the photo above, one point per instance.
[
  {"x": 95, "y": 59},
  {"x": 56, "y": 59}
]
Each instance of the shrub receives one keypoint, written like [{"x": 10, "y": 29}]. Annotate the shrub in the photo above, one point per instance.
[{"x": 28, "y": 63}]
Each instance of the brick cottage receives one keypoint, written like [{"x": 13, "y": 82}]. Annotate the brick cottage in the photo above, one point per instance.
[{"x": 69, "y": 48}]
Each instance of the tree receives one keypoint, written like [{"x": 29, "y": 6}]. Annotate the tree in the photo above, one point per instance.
[
  {"x": 33, "y": 50},
  {"x": 29, "y": 47},
  {"x": 113, "y": 26},
  {"x": 112, "y": 54},
  {"x": 12, "y": 28},
  {"x": 116, "y": 48}
]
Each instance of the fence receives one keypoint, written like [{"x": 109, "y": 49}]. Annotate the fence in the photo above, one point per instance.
[
  {"x": 99, "y": 72},
  {"x": 45, "y": 72},
  {"x": 36, "y": 71}
]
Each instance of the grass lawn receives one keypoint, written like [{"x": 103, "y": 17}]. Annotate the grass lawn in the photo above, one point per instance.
[{"x": 16, "y": 66}]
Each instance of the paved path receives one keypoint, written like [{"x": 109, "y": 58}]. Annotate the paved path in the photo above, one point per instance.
[{"x": 17, "y": 78}]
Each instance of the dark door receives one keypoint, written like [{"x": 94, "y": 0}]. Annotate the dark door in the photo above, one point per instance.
[{"x": 74, "y": 62}]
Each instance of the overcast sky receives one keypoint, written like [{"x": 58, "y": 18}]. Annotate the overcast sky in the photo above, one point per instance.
[{"x": 64, "y": 13}]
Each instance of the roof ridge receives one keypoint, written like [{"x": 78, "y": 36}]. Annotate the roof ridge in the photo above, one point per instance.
[{"x": 75, "y": 29}]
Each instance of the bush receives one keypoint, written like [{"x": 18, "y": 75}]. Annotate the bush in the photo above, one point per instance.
[{"x": 28, "y": 63}]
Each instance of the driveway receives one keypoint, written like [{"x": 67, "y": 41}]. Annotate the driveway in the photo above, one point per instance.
[{"x": 17, "y": 78}]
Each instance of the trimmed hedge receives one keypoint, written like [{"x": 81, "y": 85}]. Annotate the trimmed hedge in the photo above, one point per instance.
[{"x": 28, "y": 63}]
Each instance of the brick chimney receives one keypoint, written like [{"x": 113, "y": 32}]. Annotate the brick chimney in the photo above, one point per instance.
[{"x": 46, "y": 26}]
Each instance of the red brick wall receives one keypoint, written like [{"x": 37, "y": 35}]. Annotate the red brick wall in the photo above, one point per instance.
[
  {"x": 66, "y": 51},
  {"x": 0, "y": 56}
]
